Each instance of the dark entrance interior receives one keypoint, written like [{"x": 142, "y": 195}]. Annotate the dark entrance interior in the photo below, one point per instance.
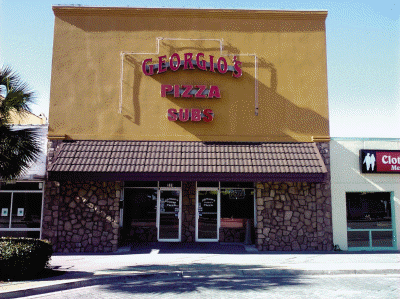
[{"x": 139, "y": 216}]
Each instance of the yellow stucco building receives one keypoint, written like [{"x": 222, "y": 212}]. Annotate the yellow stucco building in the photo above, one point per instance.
[
  {"x": 188, "y": 115},
  {"x": 98, "y": 89}
]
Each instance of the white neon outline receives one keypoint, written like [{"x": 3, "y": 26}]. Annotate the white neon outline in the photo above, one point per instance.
[{"x": 158, "y": 39}]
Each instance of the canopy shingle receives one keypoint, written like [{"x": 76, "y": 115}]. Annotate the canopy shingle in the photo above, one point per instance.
[{"x": 186, "y": 160}]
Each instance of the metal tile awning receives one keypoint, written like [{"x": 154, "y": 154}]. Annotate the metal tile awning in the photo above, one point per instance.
[{"x": 186, "y": 160}]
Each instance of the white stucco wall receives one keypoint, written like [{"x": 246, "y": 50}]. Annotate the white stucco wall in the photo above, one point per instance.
[{"x": 347, "y": 177}]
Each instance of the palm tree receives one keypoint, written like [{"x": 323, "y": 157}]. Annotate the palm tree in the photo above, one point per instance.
[{"x": 19, "y": 148}]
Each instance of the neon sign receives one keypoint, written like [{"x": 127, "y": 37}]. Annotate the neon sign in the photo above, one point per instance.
[{"x": 189, "y": 61}]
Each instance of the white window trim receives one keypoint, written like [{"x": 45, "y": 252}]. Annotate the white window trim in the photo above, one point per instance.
[{"x": 38, "y": 229}]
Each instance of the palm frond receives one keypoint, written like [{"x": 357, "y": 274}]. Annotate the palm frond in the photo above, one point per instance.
[
  {"x": 15, "y": 94},
  {"x": 18, "y": 150}
]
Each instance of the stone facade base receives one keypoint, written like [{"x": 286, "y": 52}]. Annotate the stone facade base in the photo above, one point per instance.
[
  {"x": 293, "y": 217},
  {"x": 290, "y": 216},
  {"x": 82, "y": 216}
]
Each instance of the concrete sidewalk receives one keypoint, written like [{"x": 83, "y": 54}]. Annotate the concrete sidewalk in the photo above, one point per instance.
[{"x": 161, "y": 261}]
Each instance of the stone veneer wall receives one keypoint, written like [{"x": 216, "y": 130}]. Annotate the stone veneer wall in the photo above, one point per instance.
[
  {"x": 188, "y": 211},
  {"x": 295, "y": 216},
  {"x": 82, "y": 216}
]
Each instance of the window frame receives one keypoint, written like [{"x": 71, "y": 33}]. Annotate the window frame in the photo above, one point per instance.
[
  {"x": 370, "y": 231},
  {"x": 12, "y": 191}
]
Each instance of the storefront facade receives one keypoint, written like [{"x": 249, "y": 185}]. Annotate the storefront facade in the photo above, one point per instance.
[
  {"x": 365, "y": 193},
  {"x": 184, "y": 125}
]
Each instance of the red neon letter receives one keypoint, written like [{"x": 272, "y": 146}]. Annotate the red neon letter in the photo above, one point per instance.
[
  {"x": 172, "y": 66},
  {"x": 237, "y": 68},
  {"x": 188, "y": 61},
  {"x": 183, "y": 115},
  {"x": 212, "y": 63},
  {"x": 172, "y": 114},
  {"x": 208, "y": 115},
  {"x": 201, "y": 64},
  {"x": 221, "y": 69},
  {"x": 199, "y": 93},
  {"x": 144, "y": 65},
  {"x": 214, "y": 92},
  {"x": 177, "y": 93},
  {"x": 186, "y": 92},
  {"x": 161, "y": 61},
  {"x": 196, "y": 115},
  {"x": 164, "y": 89}
]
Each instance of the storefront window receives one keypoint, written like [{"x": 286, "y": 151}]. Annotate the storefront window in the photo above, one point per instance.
[
  {"x": 237, "y": 203},
  {"x": 369, "y": 220},
  {"x": 358, "y": 238},
  {"x": 21, "y": 209},
  {"x": 382, "y": 238},
  {"x": 26, "y": 210},
  {"x": 140, "y": 206},
  {"x": 5, "y": 205}
]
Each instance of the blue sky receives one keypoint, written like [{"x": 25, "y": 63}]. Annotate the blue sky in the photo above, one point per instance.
[{"x": 363, "y": 53}]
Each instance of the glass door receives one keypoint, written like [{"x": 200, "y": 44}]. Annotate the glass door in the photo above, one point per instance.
[
  {"x": 169, "y": 214},
  {"x": 207, "y": 215}
]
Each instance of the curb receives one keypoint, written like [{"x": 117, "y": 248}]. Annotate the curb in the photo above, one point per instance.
[{"x": 84, "y": 282}]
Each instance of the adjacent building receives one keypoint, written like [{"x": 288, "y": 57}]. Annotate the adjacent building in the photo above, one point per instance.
[
  {"x": 365, "y": 193},
  {"x": 21, "y": 200}
]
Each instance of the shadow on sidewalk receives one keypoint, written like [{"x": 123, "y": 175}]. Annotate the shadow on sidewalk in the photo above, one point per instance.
[
  {"x": 202, "y": 269},
  {"x": 197, "y": 284}
]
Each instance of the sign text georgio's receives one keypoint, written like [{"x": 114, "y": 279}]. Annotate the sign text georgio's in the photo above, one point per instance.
[{"x": 191, "y": 91}]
